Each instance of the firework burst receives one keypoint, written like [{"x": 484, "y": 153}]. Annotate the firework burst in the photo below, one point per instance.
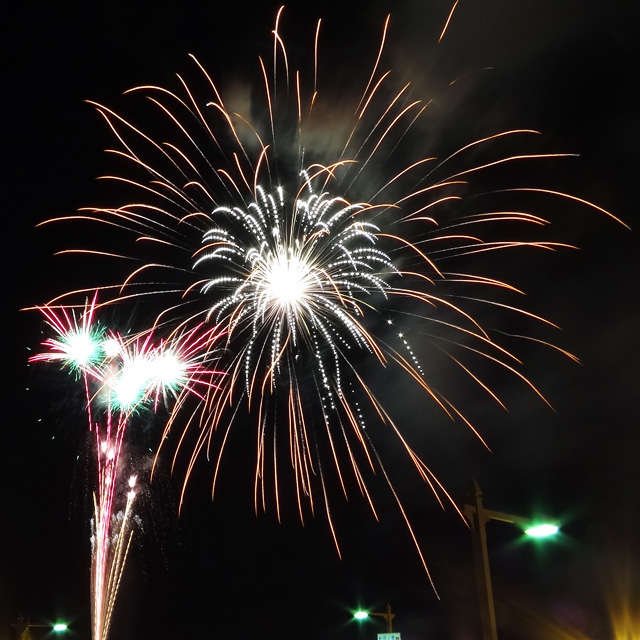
[
  {"x": 121, "y": 376},
  {"x": 305, "y": 253}
]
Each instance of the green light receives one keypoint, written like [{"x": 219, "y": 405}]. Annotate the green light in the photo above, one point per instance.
[
  {"x": 542, "y": 530},
  {"x": 360, "y": 615},
  {"x": 59, "y": 626}
]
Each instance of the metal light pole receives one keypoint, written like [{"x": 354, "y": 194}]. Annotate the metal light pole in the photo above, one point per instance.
[
  {"x": 388, "y": 617},
  {"x": 478, "y": 516}
]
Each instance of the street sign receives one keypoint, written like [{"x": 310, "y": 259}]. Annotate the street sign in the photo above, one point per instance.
[{"x": 389, "y": 636}]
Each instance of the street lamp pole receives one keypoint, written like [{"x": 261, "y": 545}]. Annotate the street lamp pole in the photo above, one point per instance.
[
  {"x": 478, "y": 516},
  {"x": 475, "y": 514},
  {"x": 388, "y": 617},
  {"x": 22, "y": 626}
]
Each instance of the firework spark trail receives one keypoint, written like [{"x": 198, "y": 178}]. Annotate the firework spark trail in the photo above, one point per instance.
[
  {"x": 276, "y": 243},
  {"x": 120, "y": 376},
  {"x": 112, "y": 535}
]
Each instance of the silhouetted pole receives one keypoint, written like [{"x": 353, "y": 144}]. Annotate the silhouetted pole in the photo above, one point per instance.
[
  {"x": 388, "y": 617},
  {"x": 477, "y": 517},
  {"x": 22, "y": 626}
]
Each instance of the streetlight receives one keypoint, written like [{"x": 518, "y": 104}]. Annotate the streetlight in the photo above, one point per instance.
[
  {"x": 22, "y": 626},
  {"x": 478, "y": 516},
  {"x": 541, "y": 530},
  {"x": 388, "y": 616}
]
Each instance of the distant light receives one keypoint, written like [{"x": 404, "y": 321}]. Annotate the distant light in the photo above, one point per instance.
[
  {"x": 542, "y": 530},
  {"x": 59, "y": 626},
  {"x": 360, "y": 615}
]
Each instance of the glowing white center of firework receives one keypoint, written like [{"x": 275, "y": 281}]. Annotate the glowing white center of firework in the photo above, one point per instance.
[
  {"x": 132, "y": 481},
  {"x": 132, "y": 382},
  {"x": 168, "y": 370},
  {"x": 287, "y": 280},
  {"x": 81, "y": 348},
  {"x": 111, "y": 347}
]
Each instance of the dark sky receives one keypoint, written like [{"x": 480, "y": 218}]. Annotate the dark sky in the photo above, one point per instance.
[{"x": 220, "y": 571}]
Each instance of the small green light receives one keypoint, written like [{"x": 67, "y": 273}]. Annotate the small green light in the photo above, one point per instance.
[
  {"x": 360, "y": 615},
  {"x": 59, "y": 626},
  {"x": 542, "y": 530}
]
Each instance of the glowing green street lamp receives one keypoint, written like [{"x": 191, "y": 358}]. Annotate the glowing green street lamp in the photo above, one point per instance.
[
  {"x": 388, "y": 616},
  {"x": 478, "y": 516},
  {"x": 542, "y": 530},
  {"x": 60, "y": 627}
]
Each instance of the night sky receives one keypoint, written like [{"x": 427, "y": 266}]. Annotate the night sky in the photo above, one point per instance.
[{"x": 566, "y": 69}]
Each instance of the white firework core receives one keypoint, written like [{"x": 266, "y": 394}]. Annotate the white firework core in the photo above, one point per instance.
[
  {"x": 294, "y": 272},
  {"x": 287, "y": 280}
]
